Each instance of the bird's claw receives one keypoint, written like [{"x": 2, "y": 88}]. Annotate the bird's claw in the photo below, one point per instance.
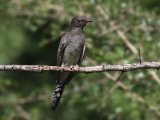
[
  {"x": 74, "y": 68},
  {"x": 62, "y": 70}
]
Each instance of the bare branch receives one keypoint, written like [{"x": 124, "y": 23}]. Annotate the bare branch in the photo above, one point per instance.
[
  {"x": 134, "y": 50},
  {"x": 100, "y": 68}
]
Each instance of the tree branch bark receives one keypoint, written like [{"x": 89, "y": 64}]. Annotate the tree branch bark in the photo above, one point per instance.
[{"x": 100, "y": 68}]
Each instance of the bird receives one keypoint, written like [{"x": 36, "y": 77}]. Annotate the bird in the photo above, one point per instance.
[{"x": 70, "y": 53}]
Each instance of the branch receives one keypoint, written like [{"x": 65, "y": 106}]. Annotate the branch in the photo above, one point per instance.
[{"x": 101, "y": 68}]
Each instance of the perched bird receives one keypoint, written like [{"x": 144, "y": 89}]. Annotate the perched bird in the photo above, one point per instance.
[{"x": 70, "y": 52}]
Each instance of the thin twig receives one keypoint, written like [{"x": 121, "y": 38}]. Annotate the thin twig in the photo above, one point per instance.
[
  {"x": 139, "y": 55},
  {"x": 122, "y": 72}
]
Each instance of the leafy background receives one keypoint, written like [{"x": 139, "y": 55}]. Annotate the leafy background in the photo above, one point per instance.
[{"x": 29, "y": 34}]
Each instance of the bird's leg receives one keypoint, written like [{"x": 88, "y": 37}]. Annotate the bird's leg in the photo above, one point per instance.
[
  {"x": 62, "y": 66},
  {"x": 74, "y": 68}
]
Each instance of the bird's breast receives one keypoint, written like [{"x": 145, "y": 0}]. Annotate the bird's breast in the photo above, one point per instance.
[
  {"x": 73, "y": 52},
  {"x": 74, "y": 48}
]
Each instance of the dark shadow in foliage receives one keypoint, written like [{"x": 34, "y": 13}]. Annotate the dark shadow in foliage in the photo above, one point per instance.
[
  {"x": 34, "y": 55},
  {"x": 151, "y": 5}
]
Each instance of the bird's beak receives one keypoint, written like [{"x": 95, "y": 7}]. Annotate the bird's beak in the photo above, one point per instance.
[{"x": 89, "y": 21}]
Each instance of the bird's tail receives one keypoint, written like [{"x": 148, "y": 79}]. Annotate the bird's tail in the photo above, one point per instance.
[{"x": 57, "y": 96}]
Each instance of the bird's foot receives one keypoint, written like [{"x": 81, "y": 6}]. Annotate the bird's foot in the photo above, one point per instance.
[
  {"x": 74, "y": 68},
  {"x": 62, "y": 66}
]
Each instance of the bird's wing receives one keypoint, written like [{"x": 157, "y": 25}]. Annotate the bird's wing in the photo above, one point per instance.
[
  {"x": 61, "y": 49},
  {"x": 82, "y": 55}
]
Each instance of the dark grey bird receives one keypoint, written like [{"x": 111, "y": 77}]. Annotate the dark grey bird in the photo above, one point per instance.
[{"x": 70, "y": 52}]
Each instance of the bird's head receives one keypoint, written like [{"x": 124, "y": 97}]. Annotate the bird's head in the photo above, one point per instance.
[{"x": 79, "y": 21}]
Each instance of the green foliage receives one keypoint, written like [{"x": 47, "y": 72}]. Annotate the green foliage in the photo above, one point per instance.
[{"x": 29, "y": 34}]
